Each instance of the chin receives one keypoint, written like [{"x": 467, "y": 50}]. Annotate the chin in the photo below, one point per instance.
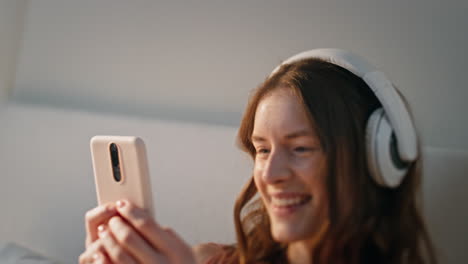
[{"x": 287, "y": 233}]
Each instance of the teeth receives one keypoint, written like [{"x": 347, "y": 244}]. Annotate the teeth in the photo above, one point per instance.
[{"x": 286, "y": 202}]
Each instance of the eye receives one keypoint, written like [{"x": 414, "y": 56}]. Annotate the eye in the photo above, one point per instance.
[
  {"x": 263, "y": 151},
  {"x": 302, "y": 149}
]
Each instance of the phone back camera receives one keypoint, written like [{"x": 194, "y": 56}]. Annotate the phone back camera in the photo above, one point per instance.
[{"x": 114, "y": 153}]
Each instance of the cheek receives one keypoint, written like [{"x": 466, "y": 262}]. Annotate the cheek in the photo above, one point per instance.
[
  {"x": 257, "y": 179},
  {"x": 309, "y": 163},
  {"x": 313, "y": 174},
  {"x": 261, "y": 187},
  {"x": 257, "y": 173},
  {"x": 319, "y": 189},
  {"x": 310, "y": 172},
  {"x": 314, "y": 165}
]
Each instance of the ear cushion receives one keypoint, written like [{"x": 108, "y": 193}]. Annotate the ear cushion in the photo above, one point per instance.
[{"x": 383, "y": 167}]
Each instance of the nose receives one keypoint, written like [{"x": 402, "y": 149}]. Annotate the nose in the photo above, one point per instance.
[{"x": 276, "y": 168}]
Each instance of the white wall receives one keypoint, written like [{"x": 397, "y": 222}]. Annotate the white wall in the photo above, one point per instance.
[
  {"x": 11, "y": 27},
  {"x": 445, "y": 197},
  {"x": 199, "y": 60}
]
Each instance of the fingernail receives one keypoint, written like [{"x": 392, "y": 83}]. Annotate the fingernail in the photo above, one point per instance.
[
  {"x": 120, "y": 203},
  {"x": 96, "y": 256},
  {"x": 101, "y": 228}
]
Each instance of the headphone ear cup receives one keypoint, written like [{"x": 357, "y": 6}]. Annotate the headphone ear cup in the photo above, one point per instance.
[{"x": 383, "y": 168}]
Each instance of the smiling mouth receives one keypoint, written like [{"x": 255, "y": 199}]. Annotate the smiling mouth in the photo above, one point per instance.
[{"x": 291, "y": 202}]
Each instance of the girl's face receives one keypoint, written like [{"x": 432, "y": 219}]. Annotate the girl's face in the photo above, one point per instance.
[{"x": 289, "y": 166}]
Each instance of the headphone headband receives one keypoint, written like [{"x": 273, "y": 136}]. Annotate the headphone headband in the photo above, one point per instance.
[{"x": 384, "y": 90}]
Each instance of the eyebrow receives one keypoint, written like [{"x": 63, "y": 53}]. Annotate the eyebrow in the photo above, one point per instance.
[{"x": 296, "y": 134}]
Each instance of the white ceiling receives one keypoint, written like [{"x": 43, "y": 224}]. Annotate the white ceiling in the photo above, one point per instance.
[{"x": 198, "y": 60}]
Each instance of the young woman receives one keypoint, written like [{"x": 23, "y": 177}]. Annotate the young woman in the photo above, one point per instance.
[{"x": 337, "y": 170}]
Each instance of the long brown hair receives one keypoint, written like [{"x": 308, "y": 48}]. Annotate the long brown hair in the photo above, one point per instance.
[{"x": 365, "y": 223}]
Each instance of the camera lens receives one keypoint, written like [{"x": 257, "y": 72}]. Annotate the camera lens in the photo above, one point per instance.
[{"x": 114, "y": 153}]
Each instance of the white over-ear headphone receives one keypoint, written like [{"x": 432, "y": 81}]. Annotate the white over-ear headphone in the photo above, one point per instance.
[{"x": 387, "y": 160}]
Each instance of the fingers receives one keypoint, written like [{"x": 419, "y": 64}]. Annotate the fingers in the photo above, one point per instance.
[
  {"x": 96, "y": 217},
  {"x": 115, "y": 252},
  {"x": 134, "y": 242},
  {"x": 164, "y": 240},
  {"x": 100, "y": 258},
  {"x": 93, "y": 254}
]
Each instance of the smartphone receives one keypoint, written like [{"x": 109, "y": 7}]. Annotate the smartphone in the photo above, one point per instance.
[{"x": 121, "y": 170}]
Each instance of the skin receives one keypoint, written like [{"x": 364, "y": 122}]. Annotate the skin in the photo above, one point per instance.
[
  {"x": 289, "y": 160},
  {"x": 124, "y": 233}
]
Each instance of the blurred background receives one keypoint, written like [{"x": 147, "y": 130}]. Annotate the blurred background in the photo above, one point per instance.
[{"x": 179, "y": 74}]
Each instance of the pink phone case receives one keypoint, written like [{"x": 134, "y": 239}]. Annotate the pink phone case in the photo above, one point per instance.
[{"x": 134, "y": 182}]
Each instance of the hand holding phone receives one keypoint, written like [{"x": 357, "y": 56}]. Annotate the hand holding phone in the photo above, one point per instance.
[{"x": 121, "y": 173}]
